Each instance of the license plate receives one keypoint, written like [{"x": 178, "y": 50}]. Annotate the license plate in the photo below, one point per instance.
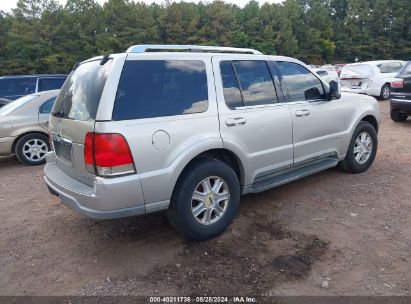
[{"x": 62, "y": 148}]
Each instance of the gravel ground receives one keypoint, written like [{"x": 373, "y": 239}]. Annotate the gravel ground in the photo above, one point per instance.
[{"x": 329, "y": 234}]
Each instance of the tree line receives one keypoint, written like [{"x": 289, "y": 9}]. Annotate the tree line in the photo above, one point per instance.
[{"x": 43, "y": 36}]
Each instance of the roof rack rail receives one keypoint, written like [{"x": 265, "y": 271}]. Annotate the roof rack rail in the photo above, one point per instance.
[{"x": 143, "y": 48}]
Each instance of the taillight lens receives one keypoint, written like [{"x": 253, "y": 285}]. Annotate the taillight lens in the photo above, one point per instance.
[
  {"x": 108, "y": 154},
  {"x": 398, "y": 84}
]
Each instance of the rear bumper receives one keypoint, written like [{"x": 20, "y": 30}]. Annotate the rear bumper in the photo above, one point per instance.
[
  {"x": 100, "y": 201},
  {"x": 401, "y": 105},
  {"x": 368, "y": 91},
  {"x": 6, "y": 144}
]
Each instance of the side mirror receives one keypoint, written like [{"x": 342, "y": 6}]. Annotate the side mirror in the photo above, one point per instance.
[{"x": 335, "y": 90}]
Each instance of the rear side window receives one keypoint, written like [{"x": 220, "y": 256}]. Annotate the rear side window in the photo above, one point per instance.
[
  {"x": 301, "y": 83},
  {"x": 390, "y": 67},
  {"x": 80, "y": 95},
  {"x": 232, "y": 93},
  {"x": 17, "y": 86},
  {"x": 157, "y": 88},
  {"x": 46, "y": 84},
  {"x": 46, "y": 107},
  {"x": 249, "y": 80}
]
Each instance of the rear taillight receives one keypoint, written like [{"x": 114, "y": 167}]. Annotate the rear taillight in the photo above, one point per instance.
[
  {"x": 108, "y": 154},
  {"x": 398, "y": 84}
]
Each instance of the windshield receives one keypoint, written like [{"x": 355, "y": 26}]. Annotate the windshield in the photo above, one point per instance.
[
  {"x": 80, "y": 95},
  {"x": 14, "y": 105}
]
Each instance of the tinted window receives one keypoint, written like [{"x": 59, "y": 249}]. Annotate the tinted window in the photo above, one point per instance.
[
  {"x": 301, "y": 83},
  {"x": 46, "y": 84},
  {"x": 47, "y": 106},
  {"x": 17, "y": 86},
  {"x": 256, "y": 83},
  {"x": 232, "y": 94},
  {"x": 322, "y": 73},
  {"x": 80, "y": 95},
  {"x": 155, "y": 88},
  {"x": 406, "y": 69}
]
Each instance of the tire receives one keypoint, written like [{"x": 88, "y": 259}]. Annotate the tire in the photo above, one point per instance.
[
  {"x": 183, "y": 205},
  {"x": 385, "y": 92},
  {"x": 352, "y": 164},
  {"x": 398, "y": 117},
  {"x": 38, "y": 143}
]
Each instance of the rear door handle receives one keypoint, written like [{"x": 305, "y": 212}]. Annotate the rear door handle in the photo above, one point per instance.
[
  {"x": 237, "y": 121},
  {"x": 301, "y": 113}
]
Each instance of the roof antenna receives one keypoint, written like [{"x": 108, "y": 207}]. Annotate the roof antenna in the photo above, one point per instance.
[{"x": 105, "y": 59}]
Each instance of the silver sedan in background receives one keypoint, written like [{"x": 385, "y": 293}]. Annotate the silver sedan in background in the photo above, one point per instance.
[{"x": 24, "y": 127}]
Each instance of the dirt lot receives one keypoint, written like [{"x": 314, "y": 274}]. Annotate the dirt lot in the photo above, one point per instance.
[{"x": 352, "y": 231}]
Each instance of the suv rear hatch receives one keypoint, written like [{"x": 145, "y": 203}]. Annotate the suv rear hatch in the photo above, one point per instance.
[{"x": 74, "y": 115}]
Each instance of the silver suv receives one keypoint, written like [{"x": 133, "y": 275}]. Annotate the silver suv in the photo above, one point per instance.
[{"x": 190, "y": 129}]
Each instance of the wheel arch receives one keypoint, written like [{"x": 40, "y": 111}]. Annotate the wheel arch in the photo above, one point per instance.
[
  {"x": 222, "y": 154},
  {"x": 372, "y": 120}
]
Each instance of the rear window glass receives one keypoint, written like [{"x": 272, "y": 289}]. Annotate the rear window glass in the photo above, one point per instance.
[
  {"x": 17, "y": 86},
  {"x": 156, "y": 88},
  {"x": 357, "y": 70},
  {"x": 14, "y": 105},
  {"x": 406, "y": 70},
  {"x": 46, "y": 84},
  {"x": 390, "y": 67},
  {"x": 80, "y": 95}
]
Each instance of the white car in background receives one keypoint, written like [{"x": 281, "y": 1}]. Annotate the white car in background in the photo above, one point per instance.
[
  {"x": 327, "y": 73},
  {"x": 371, "y": 77}
]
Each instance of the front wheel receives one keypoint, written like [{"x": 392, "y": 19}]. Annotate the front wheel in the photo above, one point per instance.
[
  {"x": 31, "y": 149},
  {"x": 362, "y": 150},
  {"x": 205, "y": 200}
]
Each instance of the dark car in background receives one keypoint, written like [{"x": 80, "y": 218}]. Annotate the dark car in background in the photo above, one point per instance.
[
  {"x": 13, "y": 87},
  {"x": 401, "y": 94}
]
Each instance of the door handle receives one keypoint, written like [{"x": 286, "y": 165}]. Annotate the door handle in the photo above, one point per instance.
[
  {"x": 237, "y": 121},
  {"x": 301, "y": 113}
]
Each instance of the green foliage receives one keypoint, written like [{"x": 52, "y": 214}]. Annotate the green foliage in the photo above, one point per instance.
[{"x": 42, "y": 36}]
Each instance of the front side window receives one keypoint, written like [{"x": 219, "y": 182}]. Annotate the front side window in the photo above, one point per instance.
[
  {"x": 301, "y": 83},
  {"x": 158, "y": 88},
  {"x": 46, "y": 107}
]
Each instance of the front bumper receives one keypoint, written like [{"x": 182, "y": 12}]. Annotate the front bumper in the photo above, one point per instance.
[
  {"x": 6, "y": 143},
  {"x": 99, "y": 201}
]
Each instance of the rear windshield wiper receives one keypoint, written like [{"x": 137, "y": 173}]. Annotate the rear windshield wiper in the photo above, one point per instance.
[{"x": 58, "y": 114}]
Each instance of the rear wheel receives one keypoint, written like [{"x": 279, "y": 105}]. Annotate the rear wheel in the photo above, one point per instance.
[
  {"x": 362, "y": 150},
  {"x": 205, "y": 200},
  {"x": 31, "y": 149},
  {"x": 398, "y": 117},
  {"x": 385, "y": 91}
]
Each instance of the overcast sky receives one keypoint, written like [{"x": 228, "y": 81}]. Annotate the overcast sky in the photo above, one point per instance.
[{"x": 7, "y": 5}]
